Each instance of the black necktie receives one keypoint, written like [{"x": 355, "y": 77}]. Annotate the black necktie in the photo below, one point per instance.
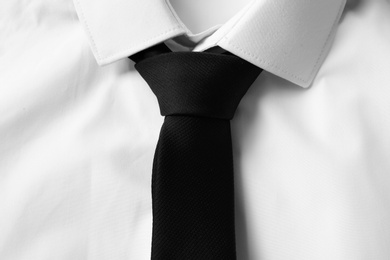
[{"x": 192, "y": 179}]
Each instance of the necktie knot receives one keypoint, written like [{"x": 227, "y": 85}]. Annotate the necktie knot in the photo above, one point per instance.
[{"x": 198, "y": 83}]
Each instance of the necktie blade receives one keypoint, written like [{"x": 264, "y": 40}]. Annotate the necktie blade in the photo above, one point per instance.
[
  {"x": 193, "y": 190},
  {"x": 193, "y": 179}
]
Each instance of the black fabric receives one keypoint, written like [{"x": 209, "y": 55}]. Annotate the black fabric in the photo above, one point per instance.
[
  {"x": 192, "y": 179},
  {"x": 150, "y": 52}
]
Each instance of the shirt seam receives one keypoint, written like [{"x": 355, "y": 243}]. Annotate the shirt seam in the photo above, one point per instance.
[
  {"x": 237, "y": 21},
  {"x": 89, "y": 31},
  {"x": 119, "y": 53},
  {"x": 327, "y": 39},
  {"x": 262, "y": 61},
  {"x": 287, "y": 73},
  {"x": 177, "y": 18}
]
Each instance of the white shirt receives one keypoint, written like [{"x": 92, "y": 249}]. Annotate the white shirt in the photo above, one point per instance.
[
  {"x": 78, "y": 127},
  {"x": 288, "y": 38}
]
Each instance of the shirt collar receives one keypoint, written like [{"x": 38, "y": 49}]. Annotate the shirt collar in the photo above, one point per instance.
[{"x": 287, "y": 38}]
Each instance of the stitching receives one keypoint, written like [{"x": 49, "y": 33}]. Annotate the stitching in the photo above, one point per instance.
[
  {"x": 87, "y": 28},
  {"x": 118, "y": 53},
  {"x": 177, "y": 18},
  {"x": 224, "y": 38},
  {"x": 146, "y": 41},
  {"x": 238, "y": 20},
  {"x": 327, "y": 39},
  {"x": 285, "y": 71},
  {"x": 178, "y": 27},
  {"x": 272, "y": 65}
]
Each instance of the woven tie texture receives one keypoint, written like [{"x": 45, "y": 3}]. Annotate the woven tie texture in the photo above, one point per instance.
[{"x": 192, "y": 179}]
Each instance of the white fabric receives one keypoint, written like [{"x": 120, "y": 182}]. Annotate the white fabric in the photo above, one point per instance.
[
  {"x": 77, "y": 142},
  {"x": 287, "y": 38}
]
